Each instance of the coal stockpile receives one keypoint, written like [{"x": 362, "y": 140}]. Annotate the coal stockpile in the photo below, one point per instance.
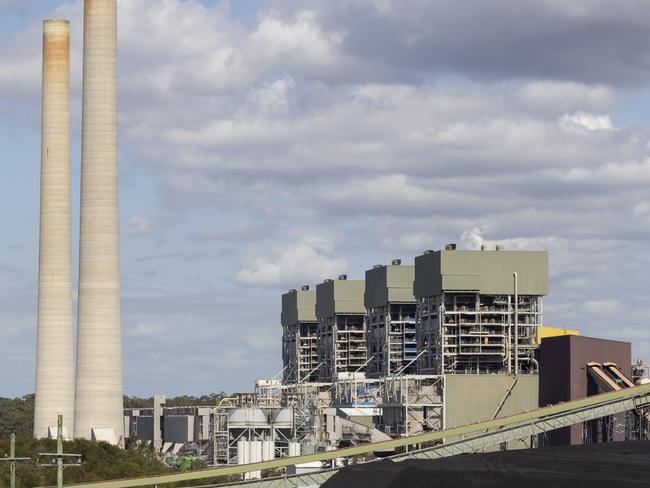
[{"x": 613, "y": 465}]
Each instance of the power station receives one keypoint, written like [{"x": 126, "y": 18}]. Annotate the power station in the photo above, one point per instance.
[
  {"x": 91, "y": 403},
  {"x": 456, "y": 338},
  {"x": 453, "y": 339}
]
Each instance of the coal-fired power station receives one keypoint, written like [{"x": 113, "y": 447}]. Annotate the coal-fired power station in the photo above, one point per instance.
[
  {"x": 91, "y": 403},
  {"x": 54, "y": 359},
  {"x": 98, "y": 396}
]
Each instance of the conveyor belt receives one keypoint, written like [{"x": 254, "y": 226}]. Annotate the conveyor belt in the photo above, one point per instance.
[
  {"x": 613, "y": 371},
  {"x": 468, "y": 438},
  {"x": 602, "y": 378}
]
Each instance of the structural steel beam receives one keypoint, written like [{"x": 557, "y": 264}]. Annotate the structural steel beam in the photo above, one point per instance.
[{"x": 499, "y": 430}]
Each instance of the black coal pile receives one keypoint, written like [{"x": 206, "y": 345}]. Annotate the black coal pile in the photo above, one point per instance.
[{"x": 612, "y": 465}]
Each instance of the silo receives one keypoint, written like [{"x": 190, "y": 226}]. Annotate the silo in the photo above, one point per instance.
[
  {"x": 98, "y": 401},
  {"x": 54, "y": 350}
]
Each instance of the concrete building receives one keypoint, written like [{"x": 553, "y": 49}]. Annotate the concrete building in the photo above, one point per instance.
[
  {"x": 341, "y": 328},
  {"x": 479, "y": 311},
  {"x": 54, "y": 350},
  {"x": 98, "y": 400},
  {"x": 390, "y": 319},
  {"x": 571, "y": 368},
  {"x": 299, "y": 336}
]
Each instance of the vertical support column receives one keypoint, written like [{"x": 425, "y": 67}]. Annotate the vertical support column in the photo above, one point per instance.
[
  {"x": 59, "y": 452},
  {"x": 54, "y": 348},
  {"x": 12, "y": 456},
  {"x": 99, "y": 344},
  {"x": 516, "y": 338}
]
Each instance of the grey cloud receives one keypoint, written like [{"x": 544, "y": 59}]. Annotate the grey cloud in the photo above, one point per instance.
[
  {"x": 342, "y": 131},
  {"x": 595, "y": 41}
]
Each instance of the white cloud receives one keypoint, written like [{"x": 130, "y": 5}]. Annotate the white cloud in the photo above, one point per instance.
[
  {"x": 642, "y": 209},
  {"x": 605, "y": 307},
  {"x": 146, "y": 329},
  {"x": 588, "y": 121},
  {"x": 138, "y": 226},
  {"x": 328, "y": 136},
  {"x": 413, "y": 243},
  {"x": 554, "y": 95},
  {"x": 473, "y": 238},
  {"x": 307, "y": 262},
  {"x": 299, "y": 40}
]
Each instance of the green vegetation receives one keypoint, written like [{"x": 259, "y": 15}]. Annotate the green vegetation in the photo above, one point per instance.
[
  {"x": 17, "y": 416},
  {"x": 100, "y": 461},
  {"x": 209, "y": 400}
]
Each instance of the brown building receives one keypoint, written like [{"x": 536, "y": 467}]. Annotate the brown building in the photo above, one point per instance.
[{"x": 564, "y": 376}]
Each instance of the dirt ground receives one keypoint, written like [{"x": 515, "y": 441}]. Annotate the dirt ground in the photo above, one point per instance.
[{"x": 613, "y": 465}]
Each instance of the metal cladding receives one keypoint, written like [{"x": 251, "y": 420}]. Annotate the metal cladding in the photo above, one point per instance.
[
  {"x": 98, "y": 401},
  {"x": 342, "y": 296},
  {"x": 298, "y": 306},
  {"x": 486, "y": 272},
  {"x": 389, "y": 284},
  {"x": 54, "y": 358}
]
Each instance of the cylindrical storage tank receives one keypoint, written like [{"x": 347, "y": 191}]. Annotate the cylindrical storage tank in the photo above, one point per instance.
[
  {"x": 283, "y": 419},
  {"x": 294, "y": 449},
  {"x": 54, "y": 348},
  {"x": 243, "y": 454},
  {"x": 249, "y": 452},
  {"x": 268, "y": 450}
]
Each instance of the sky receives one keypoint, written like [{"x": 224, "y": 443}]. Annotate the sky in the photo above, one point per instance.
[{"x": 270, "y": 144}]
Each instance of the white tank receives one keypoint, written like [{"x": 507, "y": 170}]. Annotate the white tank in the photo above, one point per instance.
[
  {"x": 294, "y": 449},
  {"x": 268, "y": 450},
  {"x": 247, "y": 417},
  {"x": 249, "y": 452}
]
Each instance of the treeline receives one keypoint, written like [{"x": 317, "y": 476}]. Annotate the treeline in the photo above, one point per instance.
[
  {"x": 100, "y": 461},
  {"x": 209, "y": 400},
  {"x": 17, "y": 414}
]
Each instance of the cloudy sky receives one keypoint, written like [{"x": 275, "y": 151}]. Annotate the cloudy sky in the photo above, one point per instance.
[{"x": 267, "y": 144}]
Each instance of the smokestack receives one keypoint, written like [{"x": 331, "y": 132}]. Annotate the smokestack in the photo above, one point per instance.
[
  {"x": 98, "y": 401},
  {"x": 54, "y": 354}
]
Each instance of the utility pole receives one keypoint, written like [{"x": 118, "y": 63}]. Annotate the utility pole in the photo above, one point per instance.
[
  {"x": 12, "y": 459},
  {"x": 59, "y": 456}
]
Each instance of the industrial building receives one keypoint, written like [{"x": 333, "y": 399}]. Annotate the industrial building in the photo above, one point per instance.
[
  {"x": 299, "y": 336},
  {"x": 451, "y": 341},
  {"x": 479, "y": 311},
  {"x": 574, "y": 367},
  {"x": 341, "y": 318},
  {"x": 390, "y": 308}
]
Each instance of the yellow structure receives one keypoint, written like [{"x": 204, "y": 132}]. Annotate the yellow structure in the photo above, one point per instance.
[{"x": 545, "y": 332}]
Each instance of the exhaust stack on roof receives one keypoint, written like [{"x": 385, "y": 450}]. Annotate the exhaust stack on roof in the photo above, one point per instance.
[
  {"x": 98, "y": 401},
  {"x": 54, "y": 356}
]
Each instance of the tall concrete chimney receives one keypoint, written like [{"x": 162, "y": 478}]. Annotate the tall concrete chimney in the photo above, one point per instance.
[
  {"x": 98, "y": 401},
  {"x": 54, "y": 354}
]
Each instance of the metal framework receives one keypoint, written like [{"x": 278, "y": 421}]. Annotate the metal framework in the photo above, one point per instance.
[
  {"x": 300, "y": 352},
  {"x": 412, "y": 405},
  {"x": 474, "y": 333},
  {"x": 469, "y": 438},
  {"x": 341, "y": 345},
  {"x": 391, "y": 339}
]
